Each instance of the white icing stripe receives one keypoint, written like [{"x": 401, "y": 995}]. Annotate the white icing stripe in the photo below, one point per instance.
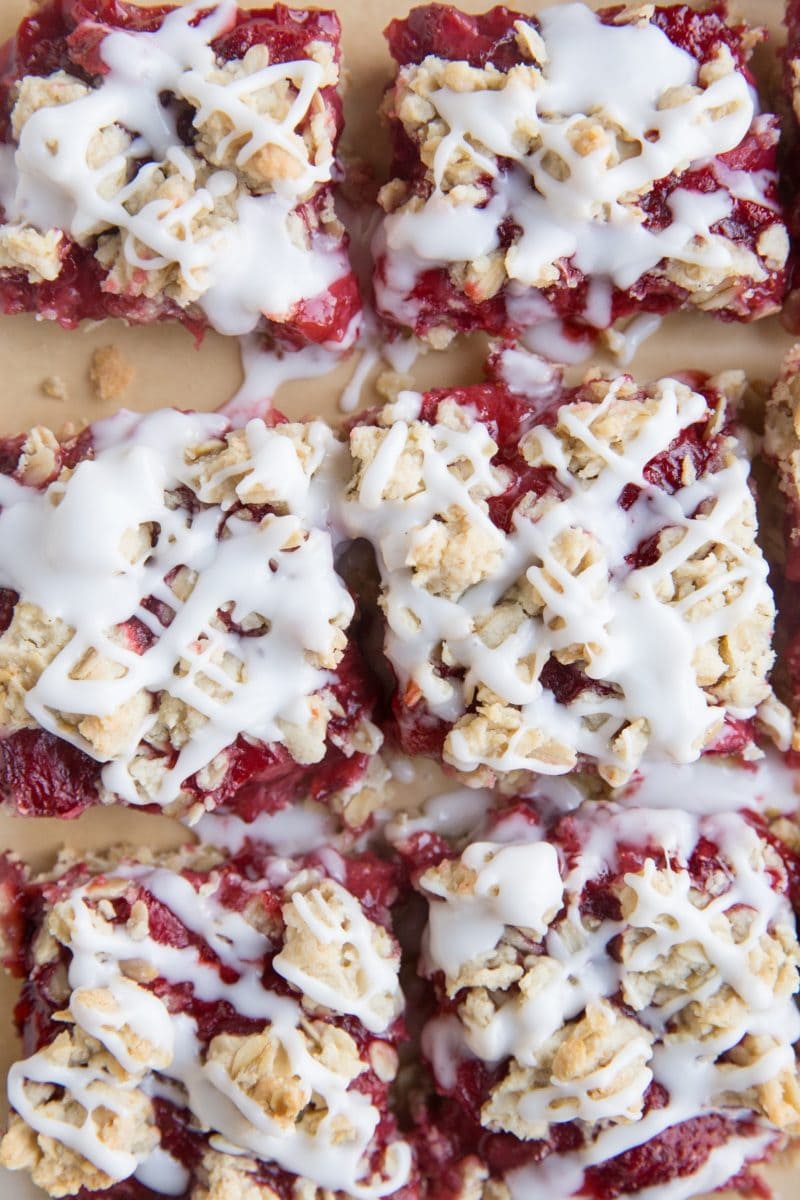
[
  {"x": 296, "y": 829},
  {"x": 696, "y": 1066},
  {"x": 631, "y": 625},
  {"x": 238, "y": 269},
  {"x": 98, "y": 951},
  {"x": 163, "y": 1174},
  {"x": 709, "y": 786},
  {"x": 616, "y": 108},
  {"x": 279, "y": 569},
  {"x": 140, "y": 1012}
]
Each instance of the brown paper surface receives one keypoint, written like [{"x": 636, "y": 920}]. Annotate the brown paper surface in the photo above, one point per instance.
[{"x": 169, "y": 370}]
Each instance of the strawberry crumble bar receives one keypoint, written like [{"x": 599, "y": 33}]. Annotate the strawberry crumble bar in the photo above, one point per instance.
[
  {"x": 568, "y": 583},
  {"x": 206, "y": 1027},
  {"x": 790, "y": 173},
  {"x": 782, "y": 452},
  {"x": 175, "y": 163},
  {"x": 615, "y": 1007},
  {"x": 577, "y": 167},
  {"x": 174, "y": 633}
]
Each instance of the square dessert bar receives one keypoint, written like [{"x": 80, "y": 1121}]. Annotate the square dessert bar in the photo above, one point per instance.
[
  {"x": 615, "y": 1006},
  {"x": 205, "y": 1027},
  {"x": 173, "y": 630},
  {"x": 791, "y": 177},
  {"x": 175, "y": 163},
  {"x": 782, "y": 452},
  {"x": 567, "y": 583},
  {"x": 576, "y": 166}
]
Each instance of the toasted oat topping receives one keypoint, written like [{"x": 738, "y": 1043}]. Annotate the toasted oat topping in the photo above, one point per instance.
[
  {"x": 242, "y": 613},
  {"x": 337, "y": 957},
  {"x": 261, "y": 1067},
  {"x": 596, "y": 1067},
  {"x": 668, "y": 642},
  {"x": 37, "y": 254},
  {"x": 223, "y": 1177}
]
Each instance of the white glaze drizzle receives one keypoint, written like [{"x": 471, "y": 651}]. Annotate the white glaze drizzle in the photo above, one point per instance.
[
  {"x": 163, "y": 1173},
  {"x": 514, "y": 885},
  {"x": 249, "y": 268},
  {"x": 767, "y": 786},
  {"x": 527, "y": 373},
  {"x": 61, "y": 550},
  {"x": 98, "y": 949},
  {"x": 453, "y": 814},
  {"x": 551, "y": 338},
  {"x": 559, "y": 1180},
  {"x": 711, "y": 785},
  {"x": 265, "y": 369},
  {"x": 296, "y": 829},
  {"x": 90, "y": 1087},
  {"x": 626, "y": 345},
  {"x": 639, "y": 642}
]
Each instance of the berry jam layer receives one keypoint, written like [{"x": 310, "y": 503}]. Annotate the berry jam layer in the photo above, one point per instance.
[
  {"x": 175, "y": 164},
  {"x": 205, "y": 1027},
  {"x": 614, "y": 1004},
  {"x": 570, "y": 582},
  {"x": 577, "y": 167},
  {"x": 174, "y": 633}
]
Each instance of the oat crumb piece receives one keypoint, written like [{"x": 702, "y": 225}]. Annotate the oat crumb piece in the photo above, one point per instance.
[
  {"x": 110, "y": 373},
  {"x": 55, "y": 388}
]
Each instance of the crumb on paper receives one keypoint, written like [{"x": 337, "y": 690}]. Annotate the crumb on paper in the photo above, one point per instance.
[
  {"x": 390, "y": 384},
  {"x": 55, "y": 388},
  {"x": 110, "y": 373}
]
